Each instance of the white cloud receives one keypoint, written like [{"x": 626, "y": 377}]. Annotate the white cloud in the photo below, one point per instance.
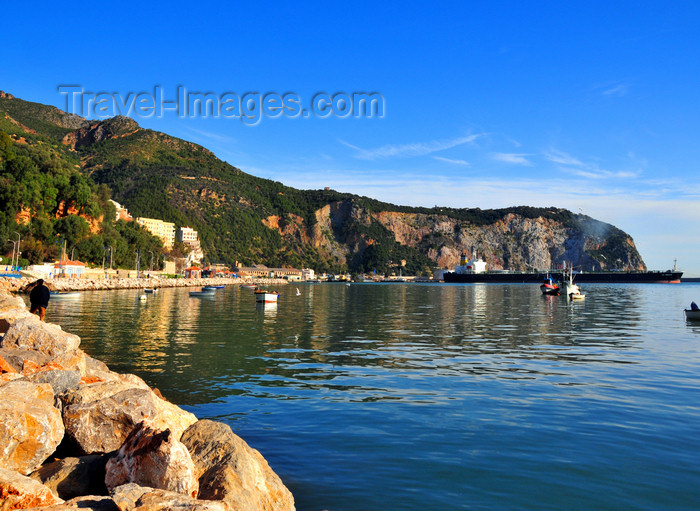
[
  {"x": 451, "y": 160},
  {"x": 618, "y": 90},
  {"x": 589, "y": 170},
  {"x": 408, "y": 150},
  {"x": 646, "y": 212},
  {"x": 513, "y": 158}
]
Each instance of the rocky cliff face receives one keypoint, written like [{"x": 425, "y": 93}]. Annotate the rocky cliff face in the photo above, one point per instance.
[
  {"x": 344, "y": 230},
  {"x": 118, "y": 126}
]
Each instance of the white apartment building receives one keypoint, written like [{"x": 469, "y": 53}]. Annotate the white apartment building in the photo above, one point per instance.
[{"x": 164, "y": 230}]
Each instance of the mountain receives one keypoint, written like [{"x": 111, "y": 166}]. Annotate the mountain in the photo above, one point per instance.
[{"x": 244, "y": 218}]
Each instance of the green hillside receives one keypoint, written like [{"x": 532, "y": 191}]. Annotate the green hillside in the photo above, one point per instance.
[{"x": 59, "y": 170}]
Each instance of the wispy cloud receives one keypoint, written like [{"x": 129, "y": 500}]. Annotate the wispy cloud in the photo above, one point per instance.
[
  {"x": 513, "y": 158},
  {"x": 210, "y": 135},
  {"x": 619, "y": 90},
  {"x": 451, "y": 160},
  {"x": 589, "y": 170},
  {"x": 408, "y": 150}
]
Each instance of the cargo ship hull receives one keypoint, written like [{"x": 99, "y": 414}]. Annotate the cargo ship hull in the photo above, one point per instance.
[{"x": 603, "y": 277}]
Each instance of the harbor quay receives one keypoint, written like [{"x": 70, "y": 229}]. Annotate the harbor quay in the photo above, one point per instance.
[
  {"x": 24, "y": 284},
  {"x": 76, "y": 435}
]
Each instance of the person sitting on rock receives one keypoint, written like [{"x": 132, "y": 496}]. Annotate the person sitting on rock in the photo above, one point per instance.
[{"x": 39, "y": 299}]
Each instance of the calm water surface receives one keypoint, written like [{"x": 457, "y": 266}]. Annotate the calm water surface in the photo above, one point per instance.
[{"x": 430, "y": 397}]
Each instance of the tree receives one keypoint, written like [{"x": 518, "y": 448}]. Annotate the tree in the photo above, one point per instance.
[{"x": 72, "y": 228}]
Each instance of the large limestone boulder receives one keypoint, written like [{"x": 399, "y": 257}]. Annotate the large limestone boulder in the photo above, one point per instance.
[
  {"x": 30, "y": 426},
  {"x": 11, "y": 311},
  {"x": 18, "y": 358},
  {"x": 60, "y": 380},
  {"x": 74, "y": 477},
  {"x": 132, "y": 497},
  {"x": 154, "y": 458},
  {"x": 99, "y": 416},
  {"x": 28, "y": 362},
  {"x": 32, "y": 334},
  {"x": 87, "y": 503},
  {"x": 230, "y": 470},
  {"x": 21, "y": 492}
]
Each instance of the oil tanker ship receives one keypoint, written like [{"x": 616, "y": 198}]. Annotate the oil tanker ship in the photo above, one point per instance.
[{"x": 474, "y": 271}]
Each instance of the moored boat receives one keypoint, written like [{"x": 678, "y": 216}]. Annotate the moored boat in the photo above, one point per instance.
[
  {"x": 203, "y": 292},
  {"x": 150, "y": 290},
  {"x": 262, "y": 296},
  {"x": 548, "y": 287},
  {"x": 474, "y": 271},
  {"x": 65, "y": 294},
  {"x": 568, "y": 288},
  {"x": 692, "y": 315}
]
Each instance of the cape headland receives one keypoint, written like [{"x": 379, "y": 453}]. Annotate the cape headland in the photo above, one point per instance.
[{"x": 75, "y": 435}]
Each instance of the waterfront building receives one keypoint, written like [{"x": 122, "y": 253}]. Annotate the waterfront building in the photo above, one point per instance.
[
  {"x": 164, "y": 230},
  {"x": 68, "y": 268},
  {"x": 193, "y": 272},
  {"x": 121, "y": 212},
  {"x": 260, "y": 270},
  {"x": 189, "y": 237}
]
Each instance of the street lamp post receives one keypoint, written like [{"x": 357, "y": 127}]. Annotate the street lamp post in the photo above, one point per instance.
[
  {"x": 19, "y": 246},
  {"x": 12, "y": 261}
]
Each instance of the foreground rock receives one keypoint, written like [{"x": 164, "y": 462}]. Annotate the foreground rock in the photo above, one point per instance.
[
  {"x": 99, "y": 416},
  {"x": 150, "y": 457},
  {"x": 30, "y": 426},
  {"x": 132, "y": 497},
  {"x": 20, "y": 492},
  {"x": 87, "y": 503},
  {"x": 63, "y": 414},
  {"x": 229, "y": 470},
  {"x": 69, "y": 478}
]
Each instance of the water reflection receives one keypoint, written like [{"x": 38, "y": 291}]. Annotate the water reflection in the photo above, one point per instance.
[
  {"x": 344, "y": 337},
  {"x": 449, "y": 383}
]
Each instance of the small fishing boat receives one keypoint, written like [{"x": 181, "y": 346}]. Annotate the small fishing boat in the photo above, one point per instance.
[
  {"x": 262, "y": 296},
  {"x": 549, "y": 287},
  {"x": 150, "y": 290},
  {"x": 65, "y": 294},
  {"x": 568, "y": 288},
  {"x": 692, "y": 315},
  {"x": 143, "y": 298},
  {"x": 213, "y": 287},
  {"x": 249, "y": 286},
  {"x": 204, "y": 292}
]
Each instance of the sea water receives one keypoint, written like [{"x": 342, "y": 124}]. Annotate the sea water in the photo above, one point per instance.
[{"x": 430, "y": 396}]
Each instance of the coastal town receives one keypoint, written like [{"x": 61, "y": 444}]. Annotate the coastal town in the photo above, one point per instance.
[{"x": 188, "y": 267}]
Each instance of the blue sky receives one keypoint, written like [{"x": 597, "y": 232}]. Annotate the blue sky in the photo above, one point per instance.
[{"x": 590, "y": 106}]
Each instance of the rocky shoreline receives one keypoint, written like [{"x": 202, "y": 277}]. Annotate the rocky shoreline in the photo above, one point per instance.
[
  {"x": 23, "y": 284},
  {"x": 75, "y": 435}
]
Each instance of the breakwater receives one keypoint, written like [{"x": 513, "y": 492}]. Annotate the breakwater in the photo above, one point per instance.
[
  {"x": 74, "y": 434},
  {"x": 75, "y": 284}
]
